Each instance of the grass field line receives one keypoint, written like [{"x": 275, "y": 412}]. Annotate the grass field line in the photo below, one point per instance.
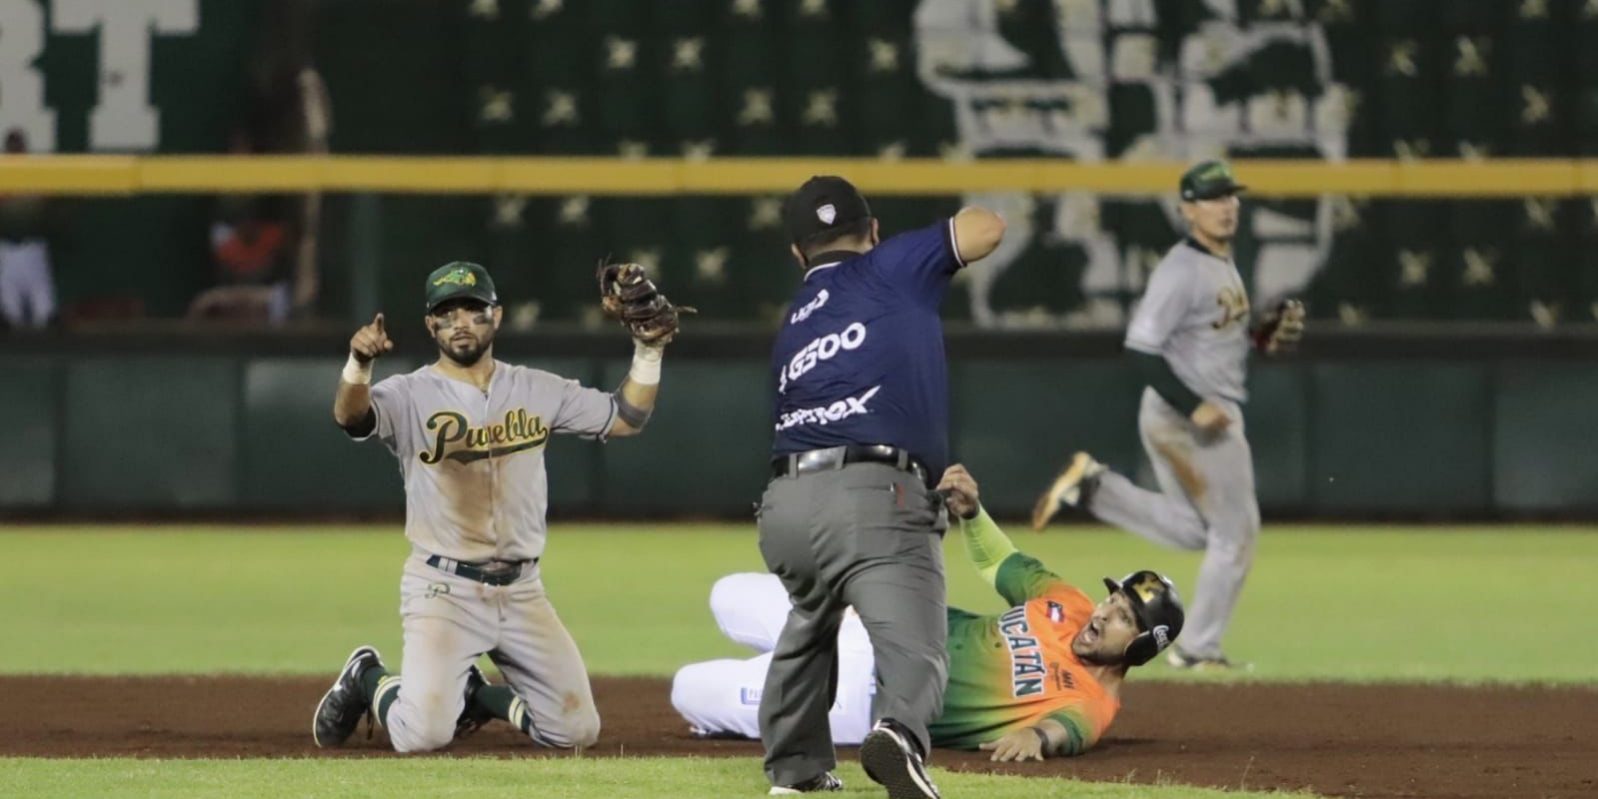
[{"x": 567, "y": 778}]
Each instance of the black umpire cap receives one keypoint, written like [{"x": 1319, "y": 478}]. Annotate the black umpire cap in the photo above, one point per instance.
[{"x": 823, "y": 203}]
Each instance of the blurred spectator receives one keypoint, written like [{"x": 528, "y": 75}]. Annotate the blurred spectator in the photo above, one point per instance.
[
  {"x": 27, "y": 287},
  {"x": 251, "y": 248}
]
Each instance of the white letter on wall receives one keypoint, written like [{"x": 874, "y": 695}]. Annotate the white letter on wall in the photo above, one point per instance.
[
  {"x": 124, "y": 119},
  {"x": 21, "y": 85}
]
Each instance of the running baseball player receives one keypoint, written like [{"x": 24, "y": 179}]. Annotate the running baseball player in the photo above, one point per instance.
[
  {"x": 469, "y": 432},
  {"x": 1042, "y": 679},
  {"x": 1190, "y": 337}
]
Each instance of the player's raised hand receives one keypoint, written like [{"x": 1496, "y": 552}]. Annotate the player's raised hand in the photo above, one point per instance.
[
  {"x": 370, "y": 341},
  {"x": 959, "y": 490},
  {"x": 1023, "y": 744}
]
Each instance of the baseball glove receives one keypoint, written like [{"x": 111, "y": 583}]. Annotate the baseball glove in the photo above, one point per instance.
[
  {"x": 1281, "y": 329},
  {"x": 627, "y": 294}
]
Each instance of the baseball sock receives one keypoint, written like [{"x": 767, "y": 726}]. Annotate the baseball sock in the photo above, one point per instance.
[
  {"x": 503, "y": 703},
  {"x": 381, "y": 689}
]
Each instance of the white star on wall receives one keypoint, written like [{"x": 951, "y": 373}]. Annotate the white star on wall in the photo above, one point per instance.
[
  {"x": 822, "y": 108},
  {"x": 1413, "y": 267},
  {"x": 508, "y": 209},
  {"x": 688, "y": 54},
  {"x": 574, "y": 211},
  {"x": 649, "y": 259},
  {"x": 1479, "y": 267},
  {"x": 560, "y": 108},
  {"x": 884, "y": 55},
  {"x": 496, "y": 105},
  {"x": 765, "y": 212},
  {"x": 620, "y": 53},
  {"x": 710, "y": 266},
  {"x": 757, "y": 108},
  {"x": 749, "y": 9}
]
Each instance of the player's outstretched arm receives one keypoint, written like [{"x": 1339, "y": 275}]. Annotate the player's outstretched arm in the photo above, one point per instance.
[
  {"x": 635, "y": 398},
  {"x": 1015, "y": 575},
  {"x": 977, "y": 233},
  {"x": 628, "y": 295},
  {"x": 352, "y": 404},
  {"x": 1047, "y": 738},
  {"x": 985, "y": 543}
]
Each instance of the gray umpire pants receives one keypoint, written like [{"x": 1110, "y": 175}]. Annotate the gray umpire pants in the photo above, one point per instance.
[
  {"x": 867, "y": 536},
  {"x": 1206, "y": 501}
]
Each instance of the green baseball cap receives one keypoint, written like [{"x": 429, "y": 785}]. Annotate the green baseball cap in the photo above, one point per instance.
[
  {"x": 1209, "y": 180},
  {"x": 460, "y": 279}
]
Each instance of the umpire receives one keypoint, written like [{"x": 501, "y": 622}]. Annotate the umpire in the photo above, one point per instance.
[{"x": 849, "y": 518}]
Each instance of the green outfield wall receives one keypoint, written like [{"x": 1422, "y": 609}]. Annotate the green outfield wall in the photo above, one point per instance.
[{"x": 1457, "y": 429}]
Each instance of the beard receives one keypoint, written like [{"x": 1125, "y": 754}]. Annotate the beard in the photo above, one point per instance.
[
  {"x": 1098, "y": 656},
  {"x": 466, "y": 352}
]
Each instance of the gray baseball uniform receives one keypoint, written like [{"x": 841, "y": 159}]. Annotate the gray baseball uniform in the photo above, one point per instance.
[
  {"x": 476, "y": 491},
  {"x": 1195, "y": 315}
]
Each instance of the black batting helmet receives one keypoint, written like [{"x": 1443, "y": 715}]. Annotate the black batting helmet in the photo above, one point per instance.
[{"x": 1158, "y": 609}]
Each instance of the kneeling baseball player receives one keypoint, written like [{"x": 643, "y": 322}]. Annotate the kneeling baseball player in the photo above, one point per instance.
[
  {"x": 469, "y": 432},
  {"x": 1042, "y": 679}
]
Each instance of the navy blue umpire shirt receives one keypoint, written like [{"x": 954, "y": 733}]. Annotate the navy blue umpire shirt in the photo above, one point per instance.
[{"x": 860, "y": 359}]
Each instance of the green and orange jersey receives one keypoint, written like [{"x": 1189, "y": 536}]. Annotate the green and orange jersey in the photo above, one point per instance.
[{"x": 1011, "y": 670}]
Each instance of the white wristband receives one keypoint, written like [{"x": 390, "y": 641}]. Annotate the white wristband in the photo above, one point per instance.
[
  {"x": 357, "y": 373},
  {"x": 646, "y": 364}
]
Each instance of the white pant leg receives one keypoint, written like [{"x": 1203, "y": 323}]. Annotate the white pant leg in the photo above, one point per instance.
[
  {"x": 27, "y": 292},
  {"x": 722, "y": 697},
  {"x": 750, "y": 608},
  {"x": 1170, "y": 516},
  {"x": 1233, "y": 512},
  {"x": 11, "y": 300},
  {"x": 542, "y": 664},
  {"x": 447, "y": 625},
  {"x": 1206, "y": 501}
]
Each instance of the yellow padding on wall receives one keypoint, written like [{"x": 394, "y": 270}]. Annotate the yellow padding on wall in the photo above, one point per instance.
[{"x": 121, "y": 175}]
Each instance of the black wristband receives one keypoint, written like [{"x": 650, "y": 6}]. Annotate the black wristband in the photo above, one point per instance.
[
  {"x": 1044, "y": 737},
  {"x": 633, "y": 415}
]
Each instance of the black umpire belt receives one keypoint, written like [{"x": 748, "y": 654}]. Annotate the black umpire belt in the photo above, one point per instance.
[
  {"x": 494, "y": 572},
  {"x": 820, "y": 460}
]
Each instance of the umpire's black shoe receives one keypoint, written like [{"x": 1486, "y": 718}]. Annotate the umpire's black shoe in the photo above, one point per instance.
[
  {"x": 824, "y": 781},
  {"x": 341, "y": 708},
  {"x": 473, "y": 715},
  {"x": 892, "y": 760}
]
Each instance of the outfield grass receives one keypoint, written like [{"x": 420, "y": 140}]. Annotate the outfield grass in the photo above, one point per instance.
[
  {"x": 567, "y": 778},
  {"x": 1368, "y": 603},
  {"x": 1325, "y": 603}
]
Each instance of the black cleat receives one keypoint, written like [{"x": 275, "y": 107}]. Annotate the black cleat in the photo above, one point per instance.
[
  {"x": 825, "y": 781},
  {"x": 341, "y": 708},
  {"x": 891, "y": 760},
  {"x": 472, "y": 716}
]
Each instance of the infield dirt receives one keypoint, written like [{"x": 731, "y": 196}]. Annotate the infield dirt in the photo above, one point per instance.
[{"x": 1338, "y": 740}]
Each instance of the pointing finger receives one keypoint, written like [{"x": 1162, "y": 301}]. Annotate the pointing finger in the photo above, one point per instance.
[{"x": 377, "y": 321}]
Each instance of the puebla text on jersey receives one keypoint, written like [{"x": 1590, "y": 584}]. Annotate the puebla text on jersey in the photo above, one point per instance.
[{"x": 860, "y": 359}]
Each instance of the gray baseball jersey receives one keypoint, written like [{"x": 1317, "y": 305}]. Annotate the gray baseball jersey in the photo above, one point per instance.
[
  {"x": 473, "y": 461},
  {"x": 1195, "y": 314}
]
